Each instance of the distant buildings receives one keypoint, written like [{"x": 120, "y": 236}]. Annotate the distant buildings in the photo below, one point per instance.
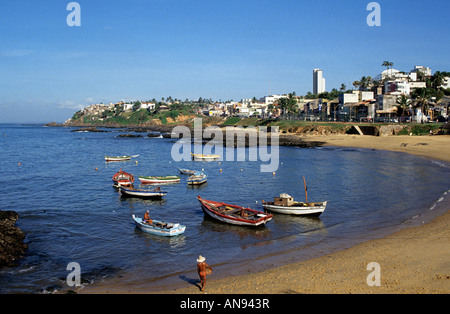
[{"x": 318, "y": 82}]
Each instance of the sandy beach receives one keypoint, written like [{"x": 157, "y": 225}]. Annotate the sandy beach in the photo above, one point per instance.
[{"x": 412, "y": 260}]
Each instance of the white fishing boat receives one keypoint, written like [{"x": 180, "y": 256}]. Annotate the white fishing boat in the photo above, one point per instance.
[
  {"x": 199, "y": 157},
  {"x": 119, "y": 158},
  {"x": 159, "y": 228},
  {"x": 197, "y": 178},
  {"x": 133, "y": 192},
  {"x": 285, "y": 204}
]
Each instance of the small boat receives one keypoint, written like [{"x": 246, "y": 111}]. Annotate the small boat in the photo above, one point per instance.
[
  {"x": 119, "y": 158},
  {"x": 285, "y": 204},
  {"x": 197, "y": 178},
  {"x": 204, "y": 157},
  {"x": 159, "y": 228},
  {"x": 187, "y": 171},
  {"x": 159, "y": 179},
  {"x": 123, "y": 178},
  {"x": 133, "y": 192},
  {"x": 234, "y": 214}
]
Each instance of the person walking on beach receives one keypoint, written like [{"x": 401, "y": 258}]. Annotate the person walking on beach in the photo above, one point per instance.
[{"x": 202, "y": 272}]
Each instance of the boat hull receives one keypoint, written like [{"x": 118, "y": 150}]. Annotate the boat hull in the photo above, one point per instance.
[
  {"x": 123, "y": 178},
  {"x": 296, "y": 210},
  {"x": 200, "y": 157},
  {"x": 141, "y": 193},
  {"x": 117, "y": 158},
  {"x": 207, "y": 209},
  {"x": 175, "y": 230},
  {"x": 196, "y": 182},
  {"x": 156, "y": 180},
  {"x": 187, "y": 171},
  {"x": 197, "y": 179}
]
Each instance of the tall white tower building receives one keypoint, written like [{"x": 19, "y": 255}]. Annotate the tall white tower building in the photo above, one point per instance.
[{"x": 318, "y": 82}]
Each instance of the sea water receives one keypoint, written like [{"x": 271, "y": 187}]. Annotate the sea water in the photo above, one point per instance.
[{"x": 58, "y": 182}]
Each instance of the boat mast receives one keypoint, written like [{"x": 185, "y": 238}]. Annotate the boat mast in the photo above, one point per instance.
[{"x": 306, "y": 193}]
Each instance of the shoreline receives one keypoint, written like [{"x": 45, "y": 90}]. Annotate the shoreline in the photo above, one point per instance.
[{"x": 412, "y": 260}]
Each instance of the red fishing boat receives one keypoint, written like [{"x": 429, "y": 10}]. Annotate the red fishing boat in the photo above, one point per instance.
[
  {"x": 123, "y": 178},
  {"x": 233, "y": 214}
]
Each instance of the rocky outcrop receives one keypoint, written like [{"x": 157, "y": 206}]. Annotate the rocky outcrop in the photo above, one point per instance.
[
  {"x": 12, "y": 246},
  {"x": 88, "y": 129}
]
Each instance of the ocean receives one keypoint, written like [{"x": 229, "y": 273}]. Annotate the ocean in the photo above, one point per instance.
[{"x": 61, "y": 186}]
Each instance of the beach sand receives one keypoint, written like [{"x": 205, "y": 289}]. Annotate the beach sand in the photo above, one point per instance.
[{"x": 412, "y": 260}]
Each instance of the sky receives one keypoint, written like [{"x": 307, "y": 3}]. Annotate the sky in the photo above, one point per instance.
[{"x": 234, "y": 49}]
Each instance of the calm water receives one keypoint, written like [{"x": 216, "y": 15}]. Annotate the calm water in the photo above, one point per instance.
[{"x": 71, "y": 213}]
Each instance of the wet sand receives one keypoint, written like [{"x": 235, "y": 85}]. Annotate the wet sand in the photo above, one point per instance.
[{"x": 413, "y": 260}]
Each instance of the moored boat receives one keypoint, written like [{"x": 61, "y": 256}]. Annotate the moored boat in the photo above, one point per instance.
[
  {"x": 187, "y": 171},
  {"x": 234, "y": 214},
  {"x": 204, "y": 157},
  {"x": 142, "y": 193},
  {"x": 159, "y": 228},
  {"x": 119, "y": 158},
  {"x": 159, "y": 179},
  {"x": 122, "y": 178},
  {"x": 197, "y": 178},
  {"x": 285, "y": 204}
]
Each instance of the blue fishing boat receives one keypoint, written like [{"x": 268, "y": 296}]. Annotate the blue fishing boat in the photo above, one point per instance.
[
  {"x": 159, "y": 228},
  {"x": 197, "y": 178}
]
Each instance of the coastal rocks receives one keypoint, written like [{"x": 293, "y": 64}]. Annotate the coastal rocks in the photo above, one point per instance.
[
  {"x": 88, "y": 129},
  {"x": 129, "y": 135},
  {"x": 12, "y": 246}
]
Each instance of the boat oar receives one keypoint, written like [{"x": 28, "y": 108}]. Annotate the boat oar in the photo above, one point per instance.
[{"x": 306, "y": 189}]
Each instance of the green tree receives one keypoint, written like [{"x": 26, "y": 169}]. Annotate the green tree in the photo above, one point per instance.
[
  {"x": 437, "y": 80},
  {"x": 403, "y": 104}
]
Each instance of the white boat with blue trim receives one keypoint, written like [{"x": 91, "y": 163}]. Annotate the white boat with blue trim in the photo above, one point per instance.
[
  {"x": 197, "y": 178},
  {"x": 160, "y": 228}
]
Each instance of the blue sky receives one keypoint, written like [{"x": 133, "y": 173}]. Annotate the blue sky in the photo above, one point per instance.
[{"x": 144, "y": 49}]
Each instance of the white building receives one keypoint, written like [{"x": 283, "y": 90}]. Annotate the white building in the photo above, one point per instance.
[
  {"x": 148, "y": 105},
  {"x": 446, "y": 83},
  {"x": 127, "y": 106},
  {"x": 318, "y": 82},
  {"x": 269, "y": 100},
  {"x": 397, "y": 88},
  {"x": 425, "y": 70}
]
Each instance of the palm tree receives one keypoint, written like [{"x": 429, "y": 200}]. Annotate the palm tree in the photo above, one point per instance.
[
  {"x": 422, "y": 98},
  {"x": 357, "y": 84},
  {"x": 343, "y": 87},
  {"x": 387, "y": 64},
  {"x": 437, "y": 79},
  {"x": 402, "y": 104}
]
